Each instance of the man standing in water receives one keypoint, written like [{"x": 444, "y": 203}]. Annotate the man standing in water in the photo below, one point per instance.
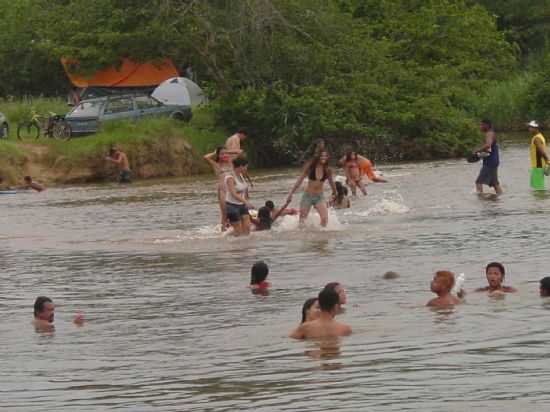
[
  {"x": 488, "y": 174},
  {"x": 121, "y": 160},
  {"x": 539, "y": 157},
  {"x": 325, "y": 326}
]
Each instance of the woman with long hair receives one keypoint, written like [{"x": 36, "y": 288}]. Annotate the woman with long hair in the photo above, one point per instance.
[
  {"x": 354, "y": 173},
  {"x": 220, "y": 162},
  {"x": 317, "y": 172}
]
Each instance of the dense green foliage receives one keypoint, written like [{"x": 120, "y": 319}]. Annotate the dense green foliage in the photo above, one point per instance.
[{"x": 403, "y": 79}]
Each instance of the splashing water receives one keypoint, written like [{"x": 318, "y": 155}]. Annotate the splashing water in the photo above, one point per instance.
[
  {"x": 313, "y": 222},
  {"x": 391, "y": 203}
]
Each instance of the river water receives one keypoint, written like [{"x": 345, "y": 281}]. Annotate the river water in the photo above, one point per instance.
[{"x": 171, "y": 325}]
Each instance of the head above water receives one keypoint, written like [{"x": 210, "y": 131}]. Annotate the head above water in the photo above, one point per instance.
[
  {"x": 339, "y": 289},
  {"x": 264, "y": 216},
  {"x": 44, "y": 309},
  {"x": 310, "y": 310},
  {"x": 495, "y": 274},
  {"x": 328, "y": 300},
  {"x": 443, "y": 281},
  {"x": 259, "y": 272},
  {"x": 545, "y": 286},
  {"x": 270, "y": 205}
]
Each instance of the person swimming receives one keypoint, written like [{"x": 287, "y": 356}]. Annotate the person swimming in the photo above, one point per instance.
[
  {"x": 339, "y": 289},
  {"x": 442, "y": 284},
  {"x": 310, "y": 310},
  {"x": 495, "y": 274},
  {"x": 258, "y": 276},
  {"x": 44, "y": 314},
  {"x": 325, "y": 326},
  {"x": 544, "y": 288}
]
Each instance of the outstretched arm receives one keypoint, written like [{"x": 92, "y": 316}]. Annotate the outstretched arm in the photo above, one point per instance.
[
  {"x": 298, "y": 182},
  {"x": 280, "y": 211}
]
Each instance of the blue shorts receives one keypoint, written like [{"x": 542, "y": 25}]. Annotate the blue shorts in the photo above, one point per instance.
[
  {"x": 235, "y": 212},
  {"x": 311, "y": 200},
  {"x": 125, "y": 176}
]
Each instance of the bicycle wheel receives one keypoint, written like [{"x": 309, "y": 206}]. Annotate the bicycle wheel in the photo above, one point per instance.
[
  {"x": 28, "y": 131},
  {"x": 61, "y": 130}
]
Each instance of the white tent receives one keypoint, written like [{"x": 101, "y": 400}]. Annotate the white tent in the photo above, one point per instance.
[{"x": 179, "y": 91}]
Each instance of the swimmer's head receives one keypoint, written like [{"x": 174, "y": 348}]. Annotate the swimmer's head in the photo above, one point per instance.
[
  {"x": 545, "y": 286},
  {"x": 258, "y": 272},
  {"x": 310, "y": 310},
  {"x": 44, "y": 309},
  {"x": 328, "y": 300},
  {"x": 270, "y": 205},
  {"x": 339, "y": 289},
  {"x": 495, "y": 274},
  {"x": 390, "y": 275},
  {"x": 443, "y": 281}
]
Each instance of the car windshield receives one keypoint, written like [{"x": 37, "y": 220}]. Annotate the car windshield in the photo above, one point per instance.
[{"x": 85, "y": 109}]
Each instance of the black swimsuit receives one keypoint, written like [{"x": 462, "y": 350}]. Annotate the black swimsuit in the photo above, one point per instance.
[{"x": 313, "y": 174}]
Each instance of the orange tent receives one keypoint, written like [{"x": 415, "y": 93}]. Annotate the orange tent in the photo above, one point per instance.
[{"x": 129, "y": 74}]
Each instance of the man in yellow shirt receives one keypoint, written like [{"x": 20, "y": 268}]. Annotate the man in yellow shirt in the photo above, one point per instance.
[{"x": 539, "y": 158}]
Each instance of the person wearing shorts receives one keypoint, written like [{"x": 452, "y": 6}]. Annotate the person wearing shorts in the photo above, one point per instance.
[
  {"x": 488, "y": 175},
  {"x": 538, "y": 155},
  {"x": 236, "y": 202}
]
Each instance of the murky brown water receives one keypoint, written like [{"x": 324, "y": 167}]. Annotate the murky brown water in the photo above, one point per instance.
[{"x": 172, "y": 327}]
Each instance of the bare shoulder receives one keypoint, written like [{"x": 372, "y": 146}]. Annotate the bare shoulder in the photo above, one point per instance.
[{"x": 298, "y": 333}]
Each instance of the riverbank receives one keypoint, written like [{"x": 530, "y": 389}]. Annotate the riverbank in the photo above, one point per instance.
[{"x": 155, "y": 148}]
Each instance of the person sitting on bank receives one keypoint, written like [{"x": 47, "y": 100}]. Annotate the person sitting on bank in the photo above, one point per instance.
[
  {"x": 30, "y": 184},
  {"x": 441, "y": 285},
  {"x": 495, "y": 274},
  {"x": 44, "y": 313},
  {"x": 120, "y": 159},
  {"x": 544, "y": 288},
  {"x": 325, "y": 326}
]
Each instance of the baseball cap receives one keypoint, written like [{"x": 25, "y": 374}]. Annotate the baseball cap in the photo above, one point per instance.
[{"x": 533, "y": 123}]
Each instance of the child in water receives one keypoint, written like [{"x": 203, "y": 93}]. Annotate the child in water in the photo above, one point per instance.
[
  {"x": 441, "y": 285},
  {"x": 341, "y": 200},
  {"x": 258, "y": 276},
  {"x": 268, "y": 214}
]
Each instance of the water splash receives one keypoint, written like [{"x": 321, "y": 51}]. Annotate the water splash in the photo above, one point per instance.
[
  {"x": 391, "y": 203},
  {"x": 313, "y": 222}
]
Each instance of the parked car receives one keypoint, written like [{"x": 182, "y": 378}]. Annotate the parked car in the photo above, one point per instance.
[
  {"x": 4, "y": 127},
  {"x": 87, "y": 116}
]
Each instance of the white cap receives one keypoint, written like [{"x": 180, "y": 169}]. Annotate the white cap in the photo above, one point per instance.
[{"x": 533, "y": 123}]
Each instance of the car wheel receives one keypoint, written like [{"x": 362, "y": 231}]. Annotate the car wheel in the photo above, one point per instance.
[{"x": 5, "y": 131}]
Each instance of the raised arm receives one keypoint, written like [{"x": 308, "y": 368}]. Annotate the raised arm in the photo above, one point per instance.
[
  {"x": 210, "y": 160},
  {"x": 280, "y": 211}
]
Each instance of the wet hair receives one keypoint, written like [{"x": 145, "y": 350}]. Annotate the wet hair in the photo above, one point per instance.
[
  {"x": 242, "y": 131},
  {"x": 328, "y": 299},
  {"x": 307, "y": 305},
  {"x": 315, "y": 161},
  {"x": 258, "y": 272},
  {"x": 270, "y": 205},
  {"x": 239, "y": 161},
  {"x": 545, "y": 284},
  {"x": 39, "y": 304},
  {"x": 27, "y": 179},
  {"x": 341, "y": 191},
  {"x": 497, "y": 265},
  {"x": 447, "y": 277},
  {"x": 332, "y": 285},
  {"x": 487, "y": 122},
  {"x": 264, "y": 216}
]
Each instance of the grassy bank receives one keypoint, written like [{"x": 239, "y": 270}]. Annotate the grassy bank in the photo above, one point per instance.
[{"x": 158, "y": 147}]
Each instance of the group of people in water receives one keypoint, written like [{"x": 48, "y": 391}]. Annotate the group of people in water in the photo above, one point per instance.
[
  {"x": 318, "y": 313},
  {"x": 233, "y": 186}
]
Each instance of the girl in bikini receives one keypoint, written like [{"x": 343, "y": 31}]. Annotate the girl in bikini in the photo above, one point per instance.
[
  {"x": 317, "y": 172},
  {"x": 354, "y": 173}
]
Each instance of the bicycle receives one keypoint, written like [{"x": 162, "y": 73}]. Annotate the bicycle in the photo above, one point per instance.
[{"x": 54, "y": 127}]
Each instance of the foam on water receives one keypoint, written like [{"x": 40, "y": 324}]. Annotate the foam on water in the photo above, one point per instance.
[
  {"x": 391, "y": 203},
  {"x": 313, "y": 222}
]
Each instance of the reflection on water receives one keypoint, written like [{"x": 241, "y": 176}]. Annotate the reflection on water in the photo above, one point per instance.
[{"x": 172, "y": 326}]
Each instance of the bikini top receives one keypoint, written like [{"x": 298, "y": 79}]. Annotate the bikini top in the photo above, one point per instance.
[{"x": 313, "y": 174}]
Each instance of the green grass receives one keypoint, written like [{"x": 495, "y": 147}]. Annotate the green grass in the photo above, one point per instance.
[{"x": 18, "y": 110}]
